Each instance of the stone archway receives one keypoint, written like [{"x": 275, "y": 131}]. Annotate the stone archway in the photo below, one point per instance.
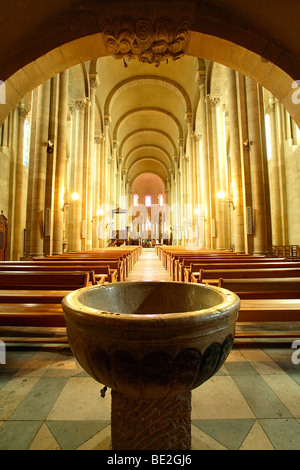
[{"x": 265, "y": 48}]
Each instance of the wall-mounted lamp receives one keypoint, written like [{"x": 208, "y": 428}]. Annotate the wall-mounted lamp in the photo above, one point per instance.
[
  {"x": 99, "y": 213},
  {"x": 247, "y": 144},
  {"x": 50, "y": 145},
  {"x": 221, "y": 196},
  {"x": 75, "y": 197}
]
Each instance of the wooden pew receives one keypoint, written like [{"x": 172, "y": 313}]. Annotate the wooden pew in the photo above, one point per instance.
[
  {"x": 43, "y": 280},
  {"x": 33, "y": 299},
  {"x": 186, "y": 263},
  {"x": 266, "y": 301},
  {"x": 98, "y": 273},
  {"x": 195, "y": 268},
  {"x": 115, "y": 268},
  {"x": 213, "y": 276},
  {"x": 287, "y": 288},
  {"x": 174, "y": 259}
]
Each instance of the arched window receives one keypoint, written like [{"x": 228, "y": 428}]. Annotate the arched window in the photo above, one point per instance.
[
  {"x": 160, "y": 200},
  {"x": 148, "y": 201},
  {"x": 26, "y": 142}
]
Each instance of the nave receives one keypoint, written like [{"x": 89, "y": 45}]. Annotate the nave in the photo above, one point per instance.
[{"x": 49, "y": 403}]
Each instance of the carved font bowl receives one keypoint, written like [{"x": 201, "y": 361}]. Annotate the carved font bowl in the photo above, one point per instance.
[{"x": 151, "y": 339}]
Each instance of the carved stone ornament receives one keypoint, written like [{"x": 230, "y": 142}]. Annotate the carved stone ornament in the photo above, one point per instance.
[{"x": 150, "y": 43}]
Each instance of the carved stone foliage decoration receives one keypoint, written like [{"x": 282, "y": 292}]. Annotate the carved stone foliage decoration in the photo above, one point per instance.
[{"x": 148, "y": 42}]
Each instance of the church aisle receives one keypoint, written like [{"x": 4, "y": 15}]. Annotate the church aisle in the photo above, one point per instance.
[{"x": 148, "y": 268}]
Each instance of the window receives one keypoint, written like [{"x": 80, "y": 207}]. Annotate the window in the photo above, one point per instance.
[
  {"x": 148, "y": 201},
  {"x": 160, "y": 200},
  {"x": 26, "y": 143}
]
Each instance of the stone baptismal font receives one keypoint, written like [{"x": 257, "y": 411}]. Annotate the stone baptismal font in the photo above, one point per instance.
[{"x": 151, "y": 343}]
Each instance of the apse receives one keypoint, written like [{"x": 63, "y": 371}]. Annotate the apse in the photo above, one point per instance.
[{"x": 148, "y": 184}]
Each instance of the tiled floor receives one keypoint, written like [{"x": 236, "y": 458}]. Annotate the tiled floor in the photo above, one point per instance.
[{"x": 48, "y": 402}]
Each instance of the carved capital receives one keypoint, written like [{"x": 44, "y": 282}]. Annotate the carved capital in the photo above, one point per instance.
[
  {"x": 80, "y": 104},
  {"x": 98, "y": 140},
  {"x": 148, "y": 42},
  {"x": 107, "y": 120},
  {"x": 188, "y": 117},
  {"x": 93, "y": 81},
  {"x": 23, "y": 111},
  {"x": 214, "y": 102}
]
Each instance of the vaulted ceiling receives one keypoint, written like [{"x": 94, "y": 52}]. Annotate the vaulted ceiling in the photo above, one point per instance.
[{"x": 147, "y": 108}]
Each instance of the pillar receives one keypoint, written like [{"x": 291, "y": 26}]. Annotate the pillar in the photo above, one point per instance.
[
  {"x": 40, "y": 168},
  {"x": 91, "y": 164},
  {"x": 260, "y": 245},
  {"x": 218, "y": 186},
  {"x": 58, "y": 225},
  {"x": 18, "y": 238},
  {"x": 205, "y": 162},
  {"x": 236, "y": 164},
  {"x": 273, "y": 165},
  {"x": 79, "y": 143}
]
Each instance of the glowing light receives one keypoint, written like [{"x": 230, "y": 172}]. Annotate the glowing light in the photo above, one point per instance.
[
  {"x": 75, "y": 197},
  {"x": 221, "y": 195},
  {"x": 148, "y": 201}
]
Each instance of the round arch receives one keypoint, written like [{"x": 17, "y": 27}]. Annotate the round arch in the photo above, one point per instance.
[
  {"x": 162, "y": 81},
  {"x": 138, "y": 149},
  {"x": 149, "y": 111},
  {"x": 156, "y": 167},
  {"x": 265, "y": 48},
  {"x": 148, "y": 131}
]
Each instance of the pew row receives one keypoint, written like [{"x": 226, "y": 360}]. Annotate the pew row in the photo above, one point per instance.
[
  {"x": 44, "y": 280},
  {"x": 99, "y": 272},
  {"x": 122, "y": 265},
  {"x": 212, "y": 276},
  {"x": 177, "y": 265},
  {"x": 264, "y": 302},
  {"x": 33, "y": 299}
]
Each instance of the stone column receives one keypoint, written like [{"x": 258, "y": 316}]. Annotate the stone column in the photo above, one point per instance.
[
  {"x": 260, "y": 245},
  {"x": 18, "y": 248},
  {"x": 236, "y": 164},
  {"x": 219, "y": 221},
  {"x": 212, "y": 184},
  {"x": 58, "y": 225},
  {"x": 91, "y": 164},
  {"x": 31, "y": 171},
  {"x": 275, "y": 193},
  {"x": 96, "y": 192},
  {"x": 279, "y": 110},
  {"x": 40, "y": 168},
  {"x": 205, "y": 162},
  {"x": 70, "y": 209},
  {"x": 79, "y": 139}
]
